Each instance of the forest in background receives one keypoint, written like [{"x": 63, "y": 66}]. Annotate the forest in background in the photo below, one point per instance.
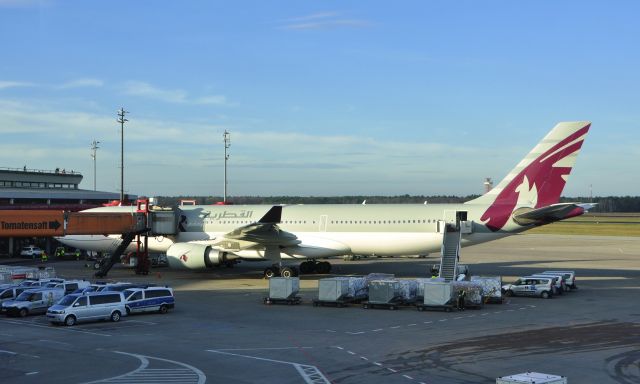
[{"x": 608, "y": 204}]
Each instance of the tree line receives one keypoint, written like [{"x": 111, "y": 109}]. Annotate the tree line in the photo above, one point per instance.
[{"x": 608, "y": 204}]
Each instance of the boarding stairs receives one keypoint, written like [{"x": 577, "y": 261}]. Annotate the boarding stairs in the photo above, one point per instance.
[
  {"x": 450, "y": 253},
  {"x": 108, "y": 263}
]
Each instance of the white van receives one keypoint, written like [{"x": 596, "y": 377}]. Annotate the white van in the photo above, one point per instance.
[
  {"x": 530, "y": 286},
  {"x": 559, "y": 285},
  {"x": 569, "y": 277},
  {"x": 88, "y": 307},
  {"x": 32, "y": 301},
  {"x": 11, "y": 292}
]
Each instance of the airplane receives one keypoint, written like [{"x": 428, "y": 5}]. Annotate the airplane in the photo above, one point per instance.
[{"x": 212, "y": 235}]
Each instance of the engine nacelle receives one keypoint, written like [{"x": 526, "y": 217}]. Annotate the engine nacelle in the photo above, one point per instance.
[{"x": 194, "y": 256}]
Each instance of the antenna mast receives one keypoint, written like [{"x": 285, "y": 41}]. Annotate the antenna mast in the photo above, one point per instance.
[
  {"x": 227, "y": 143},
  {"x": 94, "y": 148},
  {"x": 122, "y": 120}
]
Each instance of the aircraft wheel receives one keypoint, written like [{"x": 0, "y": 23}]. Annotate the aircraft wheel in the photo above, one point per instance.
[
  {"x": 307, "y": 267},
  {"x": 288, "y": 272},
  {"x": 270, "y": 272}
]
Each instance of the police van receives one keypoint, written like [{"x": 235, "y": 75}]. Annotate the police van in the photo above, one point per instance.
[
  {"x": 10, "y": 292},
  {"x": 150, "y": 299},
  {"x": 32, "y": 301},
  {"x": 93, "y": 306}
]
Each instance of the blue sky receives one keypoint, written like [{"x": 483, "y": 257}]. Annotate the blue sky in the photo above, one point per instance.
[{"x": 320, "y": 97}]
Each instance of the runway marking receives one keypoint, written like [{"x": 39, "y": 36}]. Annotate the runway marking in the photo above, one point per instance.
[
  {"x": 378, "y": 364},
  {"x": 408, "y": 377},
  {"x": 377, "y": 330},
  {"x": 412, "y": 325},
  {"x": 311, "y": 374},
  {"x": 355, "y": 333},
  {"x": 443, "y": 319},
  {"x": 459, "y": 317},
  {"x": 364, "y": 358},
  {"x": 31, "y": 373},
  {"x": 427, "y": 322},
  {"x": 331, "y": 330},
  {"x": 392, "y": 370},
  {"x": 261, "y": 349},
  {"x": 340, "y": 348},
  {"x": 185, "y": 374},
  {"x": 7, "y": 352},
  {"x": 396, "y": 326},
  {"x": 351, "y": 353},
  {"x": 31, "y": 324}
]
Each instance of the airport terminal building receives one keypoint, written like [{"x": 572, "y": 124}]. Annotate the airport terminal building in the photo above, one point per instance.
[{"x": 23, "y": 188}]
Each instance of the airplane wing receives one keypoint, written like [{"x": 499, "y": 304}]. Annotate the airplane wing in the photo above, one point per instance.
[
  {"x": 551, "y": 213},
  {"x": 264, "y": 233}
]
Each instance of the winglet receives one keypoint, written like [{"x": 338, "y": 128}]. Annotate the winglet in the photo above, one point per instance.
[{"x": 272, "y": 216}]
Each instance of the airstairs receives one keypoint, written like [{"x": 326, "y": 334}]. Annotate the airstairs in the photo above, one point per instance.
[
  {"x": 450, "y": 253},
  {"x": 109, "y": 262}
]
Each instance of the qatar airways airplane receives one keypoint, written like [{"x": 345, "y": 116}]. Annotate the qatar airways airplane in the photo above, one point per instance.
[{"x": 210, "y": 235}]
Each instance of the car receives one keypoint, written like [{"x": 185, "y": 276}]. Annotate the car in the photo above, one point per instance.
[
  {"x": 31, "y": 251},
  {"x": 11, "y": 292},
  {"x": 569, "y": 277},
  {"x": 36, "y": 283},
  {"x": 91, "y": 306},
  {"x": 530, "y": 286},
  {"x": 32, "y": 301},
  {"x": 559, "y": 281},
  {"x": 69, "y": 285},
  {"x": 150, "y": 299}
]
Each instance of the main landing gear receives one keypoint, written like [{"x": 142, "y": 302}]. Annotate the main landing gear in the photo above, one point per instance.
[{"x": 306, "y": 267}]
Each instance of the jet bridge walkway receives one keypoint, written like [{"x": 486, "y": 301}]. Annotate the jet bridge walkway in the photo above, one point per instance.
[{"x": 49, "y": 223}]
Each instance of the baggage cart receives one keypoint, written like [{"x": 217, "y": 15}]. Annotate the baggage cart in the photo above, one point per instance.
[
  {"x": 384, "y": 294},
  {"x": 283, "y": 290},
  {"x": 437, "y": 295}
]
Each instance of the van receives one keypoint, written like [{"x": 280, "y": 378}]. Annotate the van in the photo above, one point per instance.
[
  {"x": 530, "y": 286},
  {"x": 151, "y": 299},
  {"x": 92, "y": 306},
  {"x": 11, "y": 292},
  {"x": 70, "y": 285},
  {"x": 32, "y": 301},
  {"x": 37, "y": 283},
  {"x": 569, "y": 277},
  {"x": 559, "y": 286},
  {"x": 31, "y": 251}
]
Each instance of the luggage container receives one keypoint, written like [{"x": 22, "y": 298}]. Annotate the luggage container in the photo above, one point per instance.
[
  {"x": 385, "y": 294},
  {"x": 333, "y": 291},
  {"x": 436, "y": 295},
  {"x": 531, "y": 378},
  {"x": 491, "y": 288},
  {"x": 283, "y": 290}
]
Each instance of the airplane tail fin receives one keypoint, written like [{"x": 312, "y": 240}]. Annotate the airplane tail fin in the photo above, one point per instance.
[{"x": 538, "y": 180}]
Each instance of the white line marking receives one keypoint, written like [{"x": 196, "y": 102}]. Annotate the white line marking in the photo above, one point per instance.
[
  {"x": 309, "y": 373},
  {"x": 484, "y": 314},
  {"x": 364, "y": 358},
  {"x": 522, "y": 308},
  {"x": 377, "y": 330},
  {"x": 408, "y": 377},
  {"x": 395, "y": 327},
  {"x": 427, "y": 322},
  {"x": 31, "y": 373},
  {"x": 459, "y": 317},
  {"x": 496, "y": 312},
  {"x": 355, "y": 333},
  {"x": 331, "y": 330},
  {"x": 260, "y": 349},
  {"x": 351, "y": 353},
  {"x": 30, "y": 324},
  {"x": 378, "y": 364},
  {"x": 8, "y": 352},
  {"x": 392, "y": 370},
  {"x": 443, "y": 319},
  {"x": 471, "y": 316},
  {"x": 510, "y": 310},
  {"x": 412, "y": 325},
  {"x": 340, "y": 348}
]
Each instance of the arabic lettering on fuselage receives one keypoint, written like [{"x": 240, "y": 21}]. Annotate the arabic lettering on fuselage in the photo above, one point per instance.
[{"x": 226, "y": 215}]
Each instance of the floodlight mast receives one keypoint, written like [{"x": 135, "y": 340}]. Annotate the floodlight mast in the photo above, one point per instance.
[
  {"x": 227, "y": 143},
  {"x": 122, "y": 120},
  {"x": 94, "y": 148}
]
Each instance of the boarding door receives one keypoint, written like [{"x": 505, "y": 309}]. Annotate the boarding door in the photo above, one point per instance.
[{"x": 323, "y": 223}]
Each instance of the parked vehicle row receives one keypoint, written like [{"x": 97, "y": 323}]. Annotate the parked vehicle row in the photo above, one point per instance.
[
  {"x": 545, "y": 284},
  {"x": 69, "y": 302}
]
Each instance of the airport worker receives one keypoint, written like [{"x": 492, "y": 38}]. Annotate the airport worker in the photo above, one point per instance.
[
  {"x": 461, "y": 296},
  {"x": 44, "y": 257},
  {"x": 77, "y": 254}
]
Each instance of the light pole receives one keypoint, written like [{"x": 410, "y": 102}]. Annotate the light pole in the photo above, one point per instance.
[
  {"x": 94, "y": 148},
  {"x": 227, "y": 143},
  {"x": 122, "y": 120}
]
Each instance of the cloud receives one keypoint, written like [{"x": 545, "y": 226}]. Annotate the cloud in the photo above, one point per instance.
[
  {"x": 175, "y": 96},
  {"x": 139, "y": 88},
  {"x": 83, "y": 82},
  {"x": 323, "y": 20},
  {"x": 15, "y": 84}
]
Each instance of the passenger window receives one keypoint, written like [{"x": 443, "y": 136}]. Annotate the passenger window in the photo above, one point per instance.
[
  {"x": 136, "y": 296},
  {"x": 81, "y": 302},
  {"x": 5, "y": 295},
  {"x": 36, "y": 297}
]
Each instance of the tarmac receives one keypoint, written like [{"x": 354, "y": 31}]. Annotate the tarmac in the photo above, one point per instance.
[{"x": 221, "y": 332}]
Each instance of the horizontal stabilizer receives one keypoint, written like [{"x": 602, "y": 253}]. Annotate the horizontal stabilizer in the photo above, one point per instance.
[{"x": 551, "y": 213}]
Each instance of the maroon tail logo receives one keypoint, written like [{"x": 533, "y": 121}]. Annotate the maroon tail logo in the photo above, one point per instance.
[{"x": 547, "y": 180}]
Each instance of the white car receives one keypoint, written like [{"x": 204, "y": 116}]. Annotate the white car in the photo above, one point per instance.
[
  {"x": 31, "y": 251},
  {"x": 530, "y": 286}
]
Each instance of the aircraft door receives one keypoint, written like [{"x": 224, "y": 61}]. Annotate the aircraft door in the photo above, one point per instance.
[{"x": 323, "y": 223}]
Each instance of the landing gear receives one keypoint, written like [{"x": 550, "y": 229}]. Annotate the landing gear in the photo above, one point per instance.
[
  {"x": 270, "y": 272},
  {"x": 312, "y": 266},
  {"x": 289, "y": 272}
]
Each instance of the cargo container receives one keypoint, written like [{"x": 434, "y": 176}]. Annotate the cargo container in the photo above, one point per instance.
[
  {"x": 283, "y": 290},
  {"x": 531, "y": 378}
]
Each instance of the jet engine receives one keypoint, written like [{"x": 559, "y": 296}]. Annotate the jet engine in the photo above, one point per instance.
[{"x": 195, "y": 256}]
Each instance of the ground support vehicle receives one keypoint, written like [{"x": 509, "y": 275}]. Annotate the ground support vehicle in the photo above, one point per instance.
[
  {"x": 150, "y": 299},
  {"x": 343, "y": 302},
  {"x": 87, "y": 307},
  {"x": 392, "y": 305},
  {"x": 32, "y": 301},
  {"x": 293, "y": 300},
  {"x": 530, "y": 286},
  {"x": 283, "y": 290}
]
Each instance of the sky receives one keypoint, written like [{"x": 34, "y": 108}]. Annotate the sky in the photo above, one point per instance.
[{"x": 321, "y": 98}]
